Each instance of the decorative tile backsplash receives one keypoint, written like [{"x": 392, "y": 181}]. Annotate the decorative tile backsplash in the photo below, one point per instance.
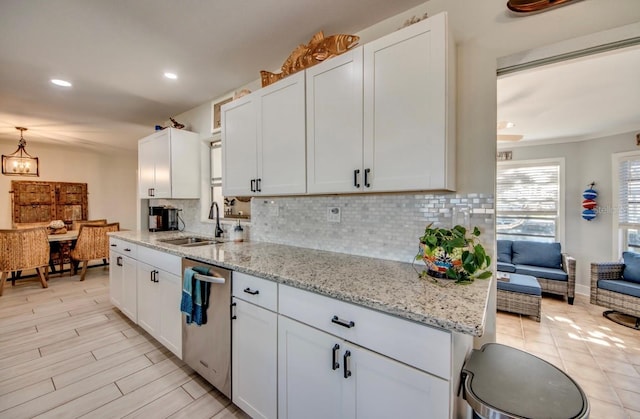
[{"x": 385, "y": 226}]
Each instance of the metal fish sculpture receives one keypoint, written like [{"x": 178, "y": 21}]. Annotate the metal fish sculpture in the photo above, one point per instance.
[{"x": 317, "y": 50}]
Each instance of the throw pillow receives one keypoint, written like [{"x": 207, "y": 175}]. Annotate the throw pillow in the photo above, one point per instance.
[
  {"x": 631, "y": 271},
  {"x": 547, "y": 255},
  {"x": 504, "y": 250}
]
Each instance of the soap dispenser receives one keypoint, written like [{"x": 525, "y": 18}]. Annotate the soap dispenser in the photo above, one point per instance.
[{"x": 237, "y": 234}]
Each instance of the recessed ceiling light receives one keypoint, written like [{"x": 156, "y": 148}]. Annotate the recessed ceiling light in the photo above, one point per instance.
[
  {"x": 171, "y": 76},
  {"x": 62, "y": 83}
]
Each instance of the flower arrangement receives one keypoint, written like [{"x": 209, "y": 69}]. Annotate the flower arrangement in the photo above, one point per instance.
[{"x": 453, "y": 253}]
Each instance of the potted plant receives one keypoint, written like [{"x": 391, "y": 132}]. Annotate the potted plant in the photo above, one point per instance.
[{"x": 453, "y": 253}]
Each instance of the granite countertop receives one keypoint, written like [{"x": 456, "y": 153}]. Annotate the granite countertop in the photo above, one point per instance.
[{"x": 387, "y": 286}]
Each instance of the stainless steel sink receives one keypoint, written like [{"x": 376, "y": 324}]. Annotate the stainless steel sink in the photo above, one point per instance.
[{"x": 191, "y": 241}]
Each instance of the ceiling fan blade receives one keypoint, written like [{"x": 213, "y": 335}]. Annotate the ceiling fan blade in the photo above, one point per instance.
[{"x": 509, "y": 137}]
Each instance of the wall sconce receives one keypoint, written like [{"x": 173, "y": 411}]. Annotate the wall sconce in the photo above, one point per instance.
[{"x": 20, "y": 163}]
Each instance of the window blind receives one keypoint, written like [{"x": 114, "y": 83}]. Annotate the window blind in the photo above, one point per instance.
[
  {"x": 528, "y": 191},
  {"x": 629, "y": 192}
]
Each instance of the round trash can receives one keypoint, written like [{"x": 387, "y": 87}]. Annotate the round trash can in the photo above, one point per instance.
[{"x": 501, "y": 382}]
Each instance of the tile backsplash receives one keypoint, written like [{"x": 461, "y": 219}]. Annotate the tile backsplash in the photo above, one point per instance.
[{"x": 385, "y": 226}]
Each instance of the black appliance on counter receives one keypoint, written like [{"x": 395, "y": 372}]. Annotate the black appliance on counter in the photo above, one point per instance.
[{"x": 163, "y": 219}]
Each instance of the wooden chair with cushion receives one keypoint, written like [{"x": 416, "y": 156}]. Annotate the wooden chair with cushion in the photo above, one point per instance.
[
  {"x": 75, "y": 224},
  {"x": 24, "y": 249},
  {"x": 93, "y": 243}
]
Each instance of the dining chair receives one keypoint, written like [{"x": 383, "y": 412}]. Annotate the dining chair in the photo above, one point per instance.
[
  {"x": 24, "y": 249},
  {"x": 54, "y": 249},
  {"x": 92, "y": 243},
  {"x": 75, "y": 224}
]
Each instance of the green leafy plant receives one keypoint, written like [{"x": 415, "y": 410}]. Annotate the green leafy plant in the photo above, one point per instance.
[{"x": 453, "y": 253}]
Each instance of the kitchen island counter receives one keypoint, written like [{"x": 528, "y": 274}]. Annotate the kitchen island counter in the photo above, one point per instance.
[{"x": 387, "y": 286}]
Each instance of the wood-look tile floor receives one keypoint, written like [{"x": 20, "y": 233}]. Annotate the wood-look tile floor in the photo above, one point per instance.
[
  {"x": 66, "y": 352},
  {"x": 602, "y": 356}
]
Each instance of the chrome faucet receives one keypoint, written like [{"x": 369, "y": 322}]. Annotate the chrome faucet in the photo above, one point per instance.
[{"x": 219, "y": 231}]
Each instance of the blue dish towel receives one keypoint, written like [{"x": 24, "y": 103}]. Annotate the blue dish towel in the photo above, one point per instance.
[{"x": 195, "y": 296}]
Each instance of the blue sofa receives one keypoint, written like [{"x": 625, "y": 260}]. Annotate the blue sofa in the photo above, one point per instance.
[{"x": 554, "y": 270}]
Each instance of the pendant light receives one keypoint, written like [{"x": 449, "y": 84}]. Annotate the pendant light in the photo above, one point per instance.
[{"x": 20, "y": 163}]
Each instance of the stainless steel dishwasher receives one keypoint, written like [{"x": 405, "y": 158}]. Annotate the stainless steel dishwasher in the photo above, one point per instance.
[{"x": 207, "y": 348}]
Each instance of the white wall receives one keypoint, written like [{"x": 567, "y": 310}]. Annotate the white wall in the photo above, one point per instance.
[
  {"x": 111, "y": 179},
  {"x": 585, "y": 162}
]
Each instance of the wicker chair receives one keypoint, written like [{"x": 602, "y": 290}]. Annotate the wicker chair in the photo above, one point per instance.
[
  {"x": 75, "y": 224},
  {"x": 24, "y": 249},
  {"x": 626, "y": 304},
  {"x": 93, "y": 243}
]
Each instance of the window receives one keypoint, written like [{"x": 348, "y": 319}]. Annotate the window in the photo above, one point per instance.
[
  {"x": 529, "y": 204},
  {"x": 627, "y": 201}
]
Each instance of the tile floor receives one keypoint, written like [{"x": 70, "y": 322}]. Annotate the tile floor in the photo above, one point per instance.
[{"x": 602, "y": 356}]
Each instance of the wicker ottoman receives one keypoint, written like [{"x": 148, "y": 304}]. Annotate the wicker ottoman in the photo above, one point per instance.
[{"x": 520, "y": 294}]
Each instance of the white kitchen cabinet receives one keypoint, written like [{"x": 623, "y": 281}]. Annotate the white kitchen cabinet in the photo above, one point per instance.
[
  {"x": 254, "y": 360},
  {"x": 321, "y": 376},
  {"x": 149, "y": 293},
  {"x": 334, "y": 124},
  {"x": 409, "y": 117},
  {"x": 122, "y": 277},
  {"x": 368, "y": 364},
  {"x": 263, "y": 141},
  {"x": 159, "y": 294},
  {"x": 380, "y": 117},
  {"x": 310, "y": 385},
  {"x": 255, "y": 345},
  {"x": 239, "y": 147},
  {"x": 169, "y": 165}
]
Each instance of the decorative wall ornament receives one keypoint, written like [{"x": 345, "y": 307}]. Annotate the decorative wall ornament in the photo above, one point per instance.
[
  {"x": 317, "y": 50},
  {"x": 589, "y": 204},
  {"x": 413, "y": 19},
  {"x": 532, "y": 6},
  {"x": 504, "y": 155}
]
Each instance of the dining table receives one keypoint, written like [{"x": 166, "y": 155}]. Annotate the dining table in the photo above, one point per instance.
[{"x": 65, "y": 242}]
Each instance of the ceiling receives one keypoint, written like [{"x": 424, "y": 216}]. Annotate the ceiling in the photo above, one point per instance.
[
  {"x": 575, "y": 100},
  {"x": 115, "y": 53}
]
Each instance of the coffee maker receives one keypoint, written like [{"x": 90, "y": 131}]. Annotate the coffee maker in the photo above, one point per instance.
[{"x": 163, "y": 218}]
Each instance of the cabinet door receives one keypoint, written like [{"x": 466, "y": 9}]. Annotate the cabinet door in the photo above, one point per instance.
[
  {"x": 239, "y": 147},
  {"x": 308, "y": 384},
  {"x": 405, "y": 101},
  {"x": 115, "y": 278},
  {"x": 162, "y": 158},
  {"x": 281, "y": 137},
  {"x": 170, "y": 333},
  {"x": 129, "y": 288},
  {"x": 148, "y": 299},
  {"x": 334, "y": 124},
  {"x": 146, "y": 168},
  {"x": 254, "y": 360},
  {"x": 385, "y": 388}
]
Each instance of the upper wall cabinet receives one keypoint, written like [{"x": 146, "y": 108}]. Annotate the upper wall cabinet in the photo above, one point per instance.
[
  {"x": 334, "y": 124},
  {"x": 263, "y": 141},
  {"x": 169, "y": 165},
  {"x": 380, "y": 118}
]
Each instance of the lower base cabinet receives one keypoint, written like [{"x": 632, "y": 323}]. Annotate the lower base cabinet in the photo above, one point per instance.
[
  {"x": 322, "y": 376},
  {"x": 254, "y": 358},
  {"x": 122, "y": 284},
  {"x": 159, "y": 294}
]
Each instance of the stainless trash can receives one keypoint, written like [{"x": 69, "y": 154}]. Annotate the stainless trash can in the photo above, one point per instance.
[{"x": 501, "y": 382}]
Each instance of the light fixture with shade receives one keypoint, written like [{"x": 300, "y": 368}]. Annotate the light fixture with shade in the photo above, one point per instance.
[{"x": 20, "y": 163}]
